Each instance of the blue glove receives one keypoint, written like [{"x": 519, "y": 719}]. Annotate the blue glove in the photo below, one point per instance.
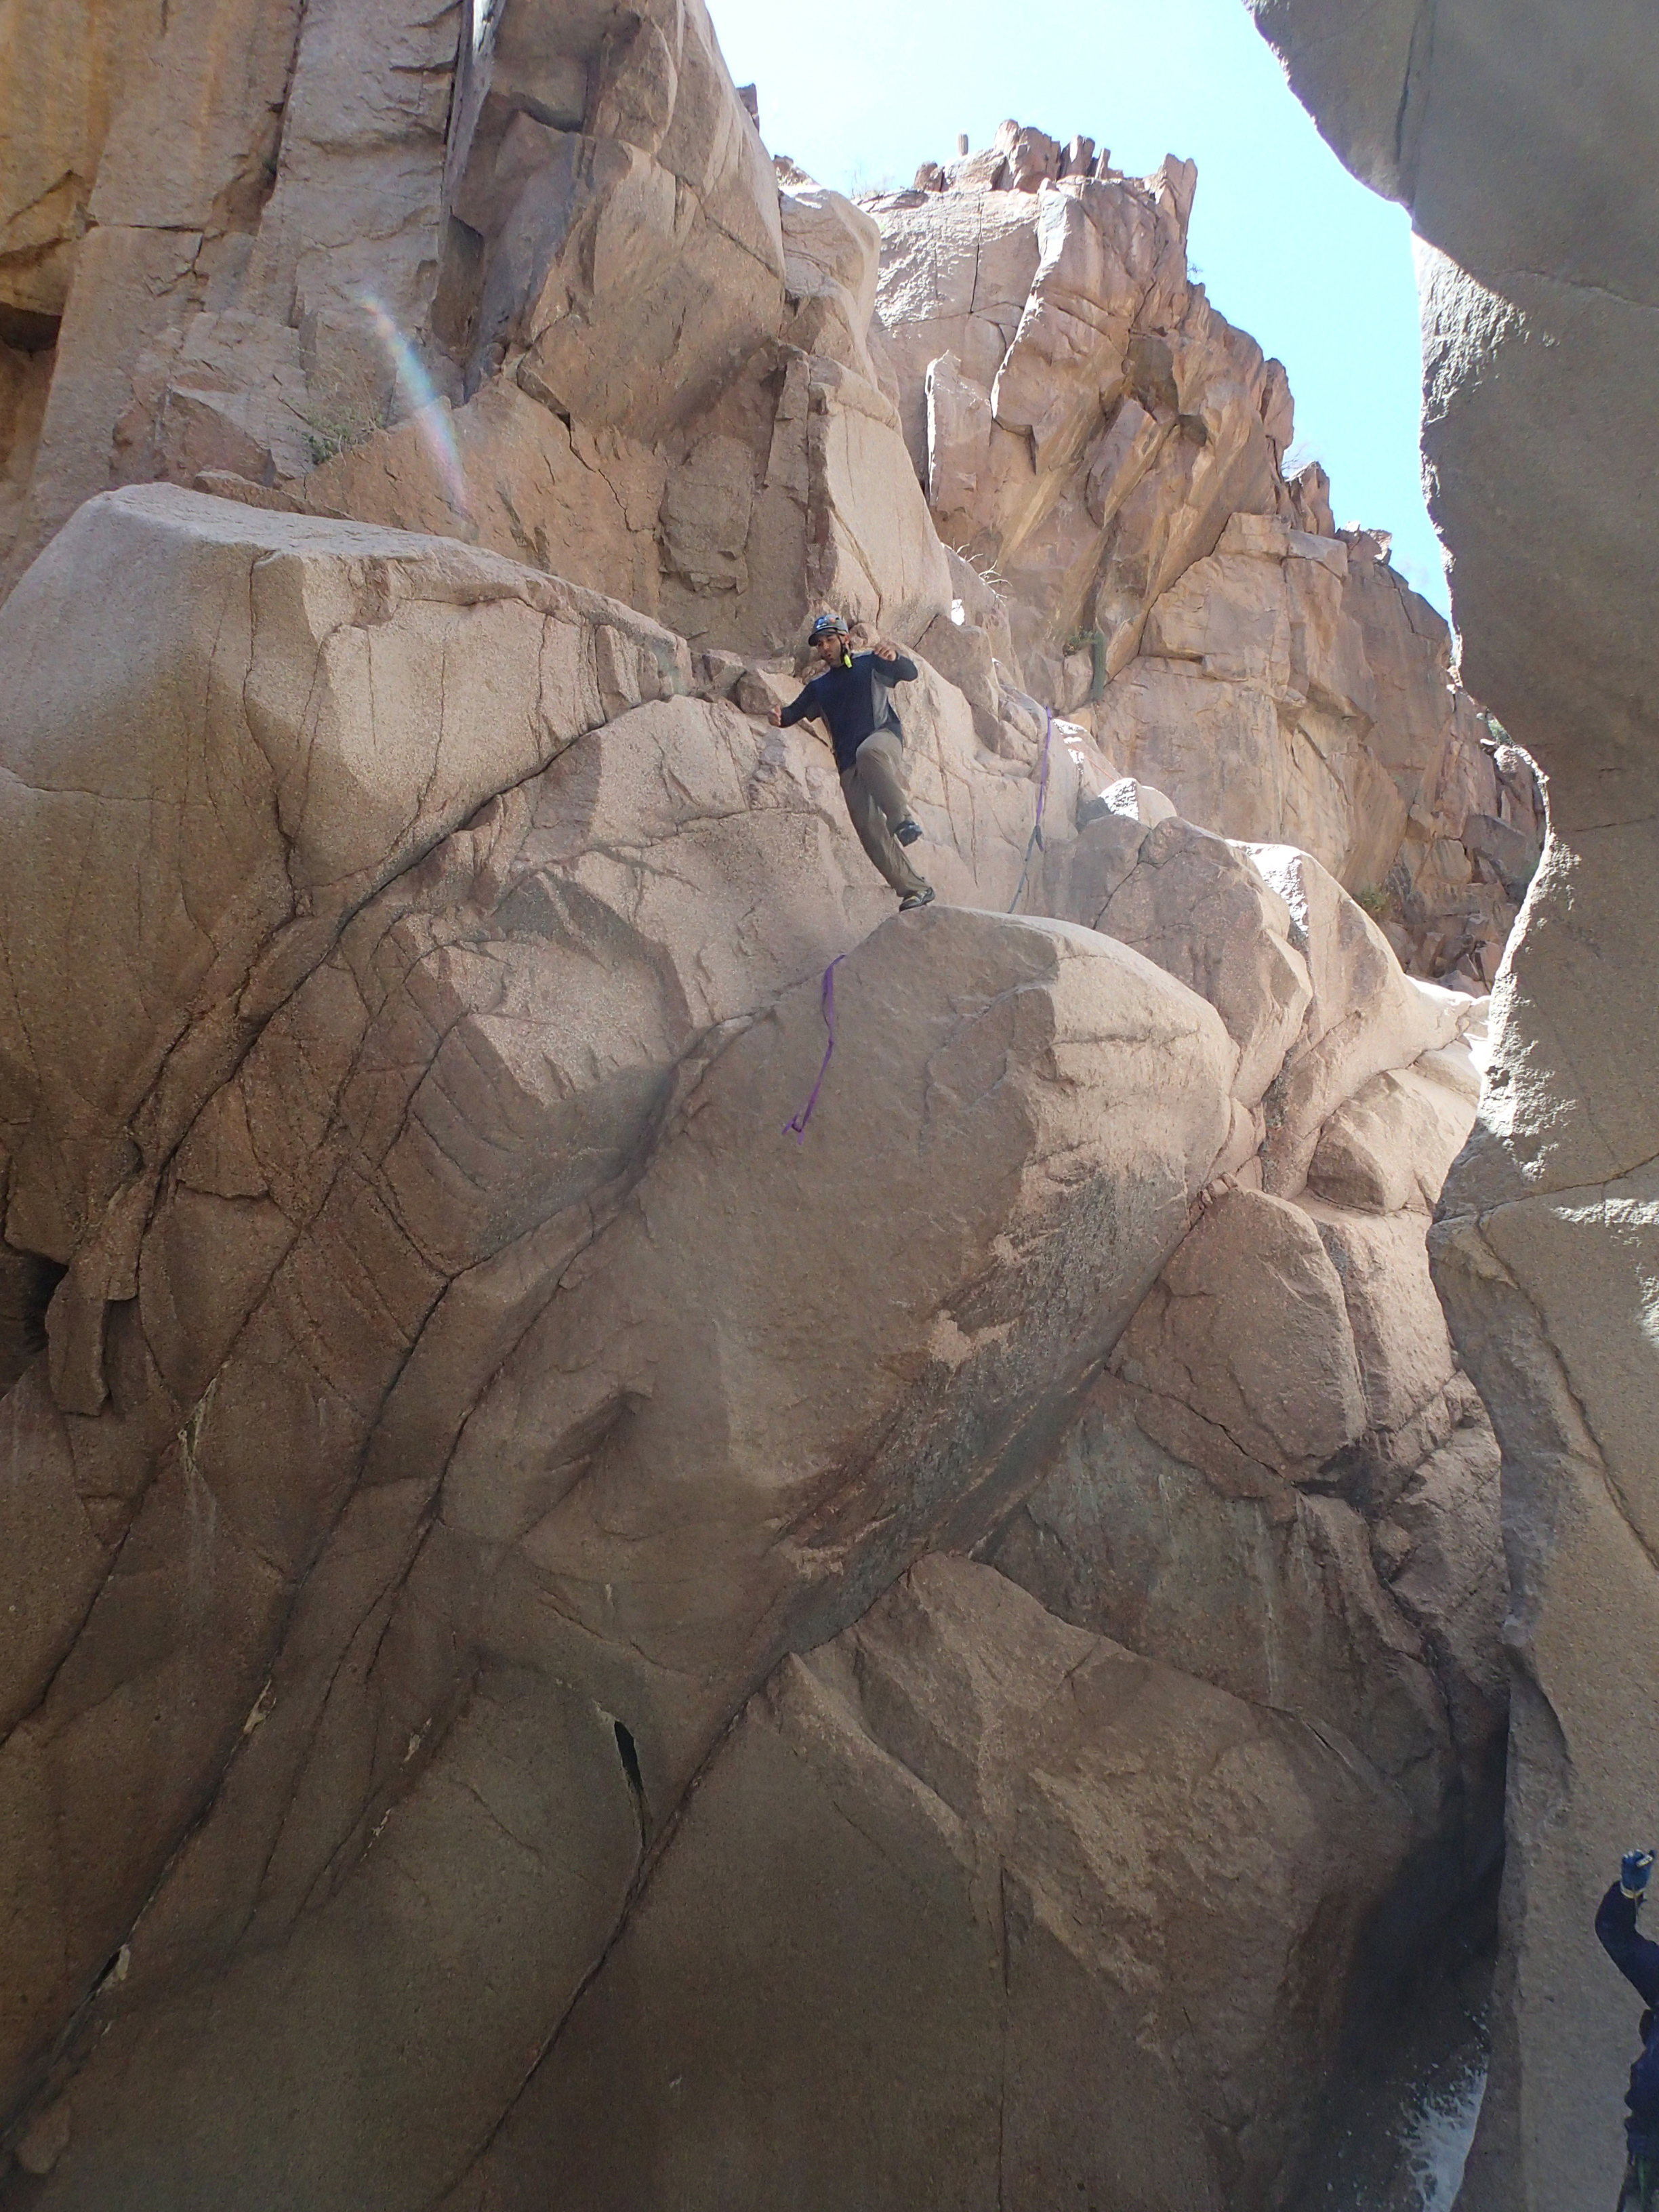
[{"x": 1633, "y": 1871}]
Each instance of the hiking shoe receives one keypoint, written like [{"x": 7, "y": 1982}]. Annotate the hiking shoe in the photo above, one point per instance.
[
  {"x": 925, "y": 896},
  {"x": 909, "y": 830}
]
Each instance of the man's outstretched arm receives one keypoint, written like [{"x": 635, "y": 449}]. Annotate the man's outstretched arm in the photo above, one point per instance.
[
  {"x": 895, "y": 666},
  {"x": 804, "y": 703}
]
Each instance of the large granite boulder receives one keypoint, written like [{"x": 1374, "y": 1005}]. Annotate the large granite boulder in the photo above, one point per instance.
[
  {"x": 393, "y": 1422},
  {"x": 927, "y": 1937},
  {"x": 394, "y": 1425},
  {"x": 1198, "y": 906}
]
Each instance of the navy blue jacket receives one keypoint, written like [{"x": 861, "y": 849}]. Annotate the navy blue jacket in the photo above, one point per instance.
[
  {"x": 1638, "y": 1960},
  {"x": 853, "y": 703}
]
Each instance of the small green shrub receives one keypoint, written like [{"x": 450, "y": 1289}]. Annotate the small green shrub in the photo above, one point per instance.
[
  {"x": 333, "y": 427},
  {"x": 1375, "y": 902}
]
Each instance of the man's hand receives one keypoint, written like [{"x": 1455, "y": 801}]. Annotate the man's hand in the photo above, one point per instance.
[
  {"x": 1634, "y": 1869},
  {"x": 775, "y": 718},
  {"x": 885, "y": 651}
]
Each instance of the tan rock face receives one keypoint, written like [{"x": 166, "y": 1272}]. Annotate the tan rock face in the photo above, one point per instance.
[
  {"x": 1391, "y": 1144},
  {"x": 545, "y": 1484},
  {"x": 830, "y": 252},
  {"x": 275, "y": 812},
  {"x": 1198, "y": 906},
  {"x": 932, "y": 1874},
  {"x": 563, "y": 314},
  {"x": 557, "y": 496},
  {"x": 1283, "y": 1489},
  {"x": 484, "y": 1503},
  {"x": 1078, "y": 348},
  {"x": 1399, "y": 1334},
  {"x": 1365, "y": 1016},
  {"x": 282, "y": 309},
  {"x": 450, "y": 1084},
  {"x": 955, "y": 278},
  {"x": 1248, "y": 1332},
  {"x": 1375, "y": 1627},
  {"x": 646, "y": 242},
  {"x": 743, "y": 483},
  {"x": 66, "y": 71},
  {"x": 1255, "y": 698},
  {"x": 1350, "y": 1061}
]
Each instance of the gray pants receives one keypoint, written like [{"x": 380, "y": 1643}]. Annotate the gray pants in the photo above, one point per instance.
[{"x": 873, "y": 788}]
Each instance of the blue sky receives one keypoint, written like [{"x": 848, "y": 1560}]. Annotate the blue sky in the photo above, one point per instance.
[{"x": 1315, "y": 267}]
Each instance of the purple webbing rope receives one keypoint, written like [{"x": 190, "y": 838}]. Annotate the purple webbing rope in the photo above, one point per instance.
[
  {"x": 827, "y": 999},
  {"x": 1036, "y": 838}
]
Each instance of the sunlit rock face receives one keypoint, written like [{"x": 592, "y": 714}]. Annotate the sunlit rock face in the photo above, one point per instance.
[
  {"x": 532, "y": 1594},
  {"x": 1538, "y": 300},
  {"x": 1092, "y": 434},
  {"x": 562, "y": 307},
  {"x": 460, "y": 1393}
]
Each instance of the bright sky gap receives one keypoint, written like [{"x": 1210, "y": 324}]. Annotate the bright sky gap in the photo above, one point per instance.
[{"x": 1316, "y": 268}]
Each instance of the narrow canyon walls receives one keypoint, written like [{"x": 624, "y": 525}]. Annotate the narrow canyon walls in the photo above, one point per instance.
[
  {"x": 1522, "y": 139},
  {"x": 546, "y": 1582}
]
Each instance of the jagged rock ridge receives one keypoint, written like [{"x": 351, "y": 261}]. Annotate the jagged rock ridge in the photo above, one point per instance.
[{"x": 1090, "y": 431}]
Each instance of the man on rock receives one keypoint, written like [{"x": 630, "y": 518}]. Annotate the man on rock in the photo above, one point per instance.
[
  {"x": 1638, "y": 1960},
  {"x": 853, "y": 698}
]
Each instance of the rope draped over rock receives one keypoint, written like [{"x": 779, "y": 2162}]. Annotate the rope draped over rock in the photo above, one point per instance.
[
  {"x": 1035, "y": 841},
  {"x": 798, "y": 1126}
]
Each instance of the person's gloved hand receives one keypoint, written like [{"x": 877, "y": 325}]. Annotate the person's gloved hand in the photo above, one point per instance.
[{"x": 1633, "y": 1871}]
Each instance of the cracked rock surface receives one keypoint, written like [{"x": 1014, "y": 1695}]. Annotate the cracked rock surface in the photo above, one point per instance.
[
  {"x": 453, "y": 1358},
  {"x": 569, "y": 1638}
]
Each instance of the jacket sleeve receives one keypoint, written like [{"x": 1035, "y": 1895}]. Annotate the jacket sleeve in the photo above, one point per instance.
[
  {"x": 799, "y": 709},
  {"x": 898, "y": 670},
  {"x": 1636, "y": 1957}
]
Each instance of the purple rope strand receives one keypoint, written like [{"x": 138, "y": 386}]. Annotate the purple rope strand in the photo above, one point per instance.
[
  {"x": 827, "y": 1001},
  {"x": 1036, "y": 838},
  {"x": 797, "y": 1126}
]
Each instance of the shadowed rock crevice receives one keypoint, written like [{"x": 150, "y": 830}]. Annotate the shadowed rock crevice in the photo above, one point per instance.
[{"x": 28, "y": 1281}]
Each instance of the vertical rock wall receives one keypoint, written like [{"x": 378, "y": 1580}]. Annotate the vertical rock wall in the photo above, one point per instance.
[{"x": 1521, "y": 138}]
